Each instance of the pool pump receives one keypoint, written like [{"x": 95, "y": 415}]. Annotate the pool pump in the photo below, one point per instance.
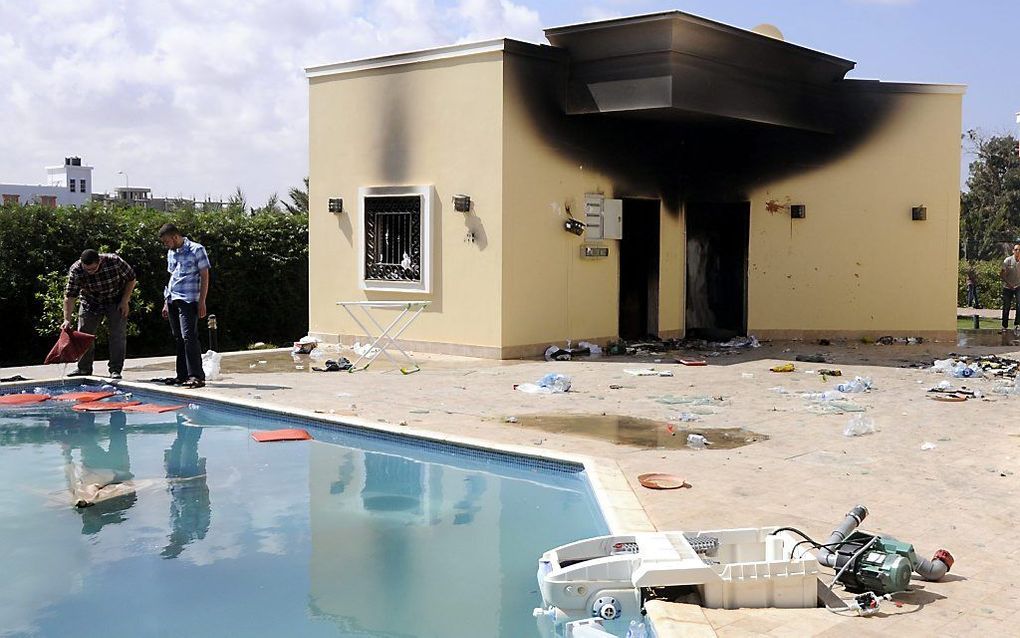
[{"x": 880, "y": 564}]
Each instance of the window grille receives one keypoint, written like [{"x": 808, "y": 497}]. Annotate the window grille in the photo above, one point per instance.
[{"x": 393, "y": 238}]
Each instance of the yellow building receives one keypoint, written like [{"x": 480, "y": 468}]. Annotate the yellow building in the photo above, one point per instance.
[{"x": 722, "y": 181}]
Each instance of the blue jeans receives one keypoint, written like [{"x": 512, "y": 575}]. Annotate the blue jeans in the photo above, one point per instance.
[
  {"x": 972, "y": 299},
  {"x": 183, "y": 317}
]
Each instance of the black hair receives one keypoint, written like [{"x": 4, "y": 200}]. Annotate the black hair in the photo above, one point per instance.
[
  {"x": 168, "y": 229},
  {"x": 89, "y": 257}
]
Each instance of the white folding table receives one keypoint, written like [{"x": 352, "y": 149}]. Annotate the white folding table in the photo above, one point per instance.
[{"x": 409, "y": 311}]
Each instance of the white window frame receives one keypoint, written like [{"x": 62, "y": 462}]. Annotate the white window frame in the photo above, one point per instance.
[{"x": 427, "y": 193}]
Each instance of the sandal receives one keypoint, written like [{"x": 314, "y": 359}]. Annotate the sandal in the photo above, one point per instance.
[{"x": 193, "y": 383}]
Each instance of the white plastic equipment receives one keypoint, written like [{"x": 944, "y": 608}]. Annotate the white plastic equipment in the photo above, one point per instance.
[{"x": 731, "y": 568}]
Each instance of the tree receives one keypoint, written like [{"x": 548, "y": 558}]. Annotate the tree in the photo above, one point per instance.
[
  {"x": 990, "y": 208},
  {"x": 237, "y": 203},
  {"x": 300, "y": 199},
  {"x": 272, "y": 206}
]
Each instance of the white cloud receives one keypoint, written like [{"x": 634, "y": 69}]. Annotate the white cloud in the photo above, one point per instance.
[{"x": 195, "y": 98}]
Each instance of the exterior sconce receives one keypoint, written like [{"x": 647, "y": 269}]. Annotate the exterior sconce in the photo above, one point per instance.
[
  {"x": 919, "y": 213},
  {"x": 462, "y": 203},
  {"x": 574, "y": 226},
  {"x": 336, "y": 205},
  {"x": 798, "y": 211}
]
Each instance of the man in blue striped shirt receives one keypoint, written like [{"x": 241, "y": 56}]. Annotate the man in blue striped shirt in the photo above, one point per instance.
[{"x": 184, "y": 301}]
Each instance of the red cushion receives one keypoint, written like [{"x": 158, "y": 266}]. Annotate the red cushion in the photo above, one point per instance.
[
  {"x": 102, "y": 406},
  {"x": 83, "y": 397},
  {"x": 70, "y": 346},
  {"x": 293, "y": 434},
  {"x": 22, "y": 399},
  {"x": 152, "y": 408}
]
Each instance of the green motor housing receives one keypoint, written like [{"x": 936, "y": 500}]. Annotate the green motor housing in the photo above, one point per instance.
[{"x": 884, "y": 568}]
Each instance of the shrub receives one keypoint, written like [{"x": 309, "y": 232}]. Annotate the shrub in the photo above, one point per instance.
[
  {"x": 258, "y": 284},
  {"x": 989, "y": 286}
]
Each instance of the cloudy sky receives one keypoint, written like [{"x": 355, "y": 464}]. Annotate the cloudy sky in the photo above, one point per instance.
[{"x": 197, "y": 97}]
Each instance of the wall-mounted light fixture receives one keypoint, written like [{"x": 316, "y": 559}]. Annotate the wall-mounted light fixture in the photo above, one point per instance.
[
  {"x": 574, "y": 226},
  {"x": 919, "y": 213},
  {"x": 798, "y": 211},
  {"x": 462, "y": 203},
  {"x": 336, "y": 204}
]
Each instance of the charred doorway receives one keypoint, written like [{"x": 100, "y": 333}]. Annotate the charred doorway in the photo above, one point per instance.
[
  {"x": 639, "y": 269},
  {"x": 717, "y": 238}
]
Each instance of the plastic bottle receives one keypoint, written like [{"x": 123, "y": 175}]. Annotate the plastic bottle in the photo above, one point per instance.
[{"x": 859, "y": 425}]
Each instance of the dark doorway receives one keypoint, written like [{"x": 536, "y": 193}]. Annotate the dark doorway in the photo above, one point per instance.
[
  {"x": 639, "y": 269},
  {"x": 717, "y": 237}
]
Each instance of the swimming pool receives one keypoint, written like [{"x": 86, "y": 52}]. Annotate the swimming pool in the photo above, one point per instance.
[{"x": 356, "y": 533}]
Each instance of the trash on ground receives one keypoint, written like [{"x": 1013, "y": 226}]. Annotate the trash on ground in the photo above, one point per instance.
[
  {"x": 697, "y": 400},
  {"x": 510, "y": 419},
  {"x": 746, "y": 375},
  {"x": 594, "y": 350},
  {"x": 810, "y": 358},
  {"x": 649, "y": 372},
  {"x": 364, "y": 350},
  {"x": 16, "y": 377},
  {"x": 334, "y": 366},
  {"x": 211, "y": 365},
  {"x": 949, "y": 398},
  {"x": 741, "y": 342},
  {"x": 696, "y": 441},
  {"x": 305, "y": 345},
  {"x": 660, "y": 481},
  {"x": 928, "y": 445},
  {"x": 830, "y": 372},
  {"x": 684, "y": 417},
  {"x": 859, "y": 425},
  {"x": 988, "y": 365},
  {"x": 835, "y": 407},
  {"x": 551, "y": 383},
  {"x": 691, "y": 362},
  {"x": 859, "y": 384},
  {"x": 782, "y": 367}
]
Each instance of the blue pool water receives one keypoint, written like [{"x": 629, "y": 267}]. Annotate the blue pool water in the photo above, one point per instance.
[{"x": 352, "y": 534}]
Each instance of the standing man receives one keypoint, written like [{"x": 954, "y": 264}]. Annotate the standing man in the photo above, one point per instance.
[
  {"x": 184, "y": 301},
  {"x": 105, "y": 283},
  {"x": 972, "y": 282},
  {"x": 1010, "y": 275}
]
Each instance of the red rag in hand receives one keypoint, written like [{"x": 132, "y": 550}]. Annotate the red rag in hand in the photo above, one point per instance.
[{"x": 70, "y": 346}]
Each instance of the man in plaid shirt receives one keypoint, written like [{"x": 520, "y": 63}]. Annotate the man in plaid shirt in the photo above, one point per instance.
[
  {"x": 104, "y": 283},
  {"x": 184, "y": 301}
]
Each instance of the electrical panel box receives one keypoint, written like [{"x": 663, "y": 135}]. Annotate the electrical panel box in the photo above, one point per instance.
[{"x": 603, "y": 217}]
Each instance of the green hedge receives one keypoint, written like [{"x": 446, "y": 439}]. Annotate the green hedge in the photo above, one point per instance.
[
  {"x": 258, "y": 285},
  {"x": 989, "y": 284}
]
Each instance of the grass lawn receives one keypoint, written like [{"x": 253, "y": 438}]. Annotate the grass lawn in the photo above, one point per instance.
[{"x": 987, "y": 323}]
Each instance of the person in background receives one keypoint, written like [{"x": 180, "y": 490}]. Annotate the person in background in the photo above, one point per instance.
[
  {"x": 1010, "y": 276},
  {"x": 105, "y": 283},
  {"x": 972, "y": 298},
  {"x": 184, "y": 302}
]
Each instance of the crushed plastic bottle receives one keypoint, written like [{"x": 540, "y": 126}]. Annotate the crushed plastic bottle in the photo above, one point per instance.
[{"x": 859, "y": 425}]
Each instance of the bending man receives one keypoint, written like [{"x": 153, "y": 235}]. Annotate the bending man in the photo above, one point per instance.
[
  {"x": 184, "y": 301},
  {"x": 105, "y": 283}
]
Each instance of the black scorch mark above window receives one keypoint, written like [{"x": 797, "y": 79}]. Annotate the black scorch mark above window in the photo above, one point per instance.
[{"x": 393, "y": 238}]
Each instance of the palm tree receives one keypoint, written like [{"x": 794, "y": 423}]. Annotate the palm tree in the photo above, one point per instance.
[
  {"x": 300, "y": 199},
  {"x": 238, "y": 202}
]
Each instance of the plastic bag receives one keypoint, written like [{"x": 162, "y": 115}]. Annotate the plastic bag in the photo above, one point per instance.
[
  {"x": 859, "y": 425},
  {"x": 211, "y": 365}
]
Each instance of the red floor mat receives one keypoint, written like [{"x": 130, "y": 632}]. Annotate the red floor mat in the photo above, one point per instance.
[
  {"x": 103, "y": 406},
  {"x": 23, "y": 399},
  {"x": 294, "y": 434}
]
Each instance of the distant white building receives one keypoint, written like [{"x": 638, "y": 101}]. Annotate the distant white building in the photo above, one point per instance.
[{"x": 67, "y": 185}]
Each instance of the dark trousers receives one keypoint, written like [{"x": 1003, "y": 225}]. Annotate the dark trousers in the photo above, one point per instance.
[
  {"x": 1009, "y": 296},
  {"x": 116, "y": 323},
  {"x": 184, "y": 325}
]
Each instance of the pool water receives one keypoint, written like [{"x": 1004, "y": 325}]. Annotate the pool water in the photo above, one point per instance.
[{"x": 351, "y": 534}]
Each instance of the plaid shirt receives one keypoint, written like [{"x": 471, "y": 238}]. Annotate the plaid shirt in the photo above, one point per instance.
[
  {"x": 184, "y": 266},
  {"x": 102, "y": 288}
]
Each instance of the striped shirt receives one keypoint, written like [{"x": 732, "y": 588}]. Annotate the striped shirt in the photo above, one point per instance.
[
  {"x": 102, "y": 288},
  {"x": 185, "y": 265}
]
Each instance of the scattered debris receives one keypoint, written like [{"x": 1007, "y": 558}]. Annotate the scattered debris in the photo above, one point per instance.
[
  {"x": 928, "y": 445},
  {"x": 510, "y": 419},
  {"x": 684, "y": 417},
  {"x": 660, "y": 481},
  {"x": 614, "y": 386},
  {"x": 649, "y": 372},
  {"x": 305, "y": 345},
  {"x": 746, "y": 375},
  {"x": 551, "y": 383},
  {"x": 830, "y": 372},
  {"x": 988, "y": 365},
  {"x": 697, "y": 441},
  {"x": 691, "y": 362},
  {"x": 859, "y": 384},
  {"x": 859, "y": 425},
  {"x": 783, "y": 367},
  {"x": 334, "y": 366}
]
